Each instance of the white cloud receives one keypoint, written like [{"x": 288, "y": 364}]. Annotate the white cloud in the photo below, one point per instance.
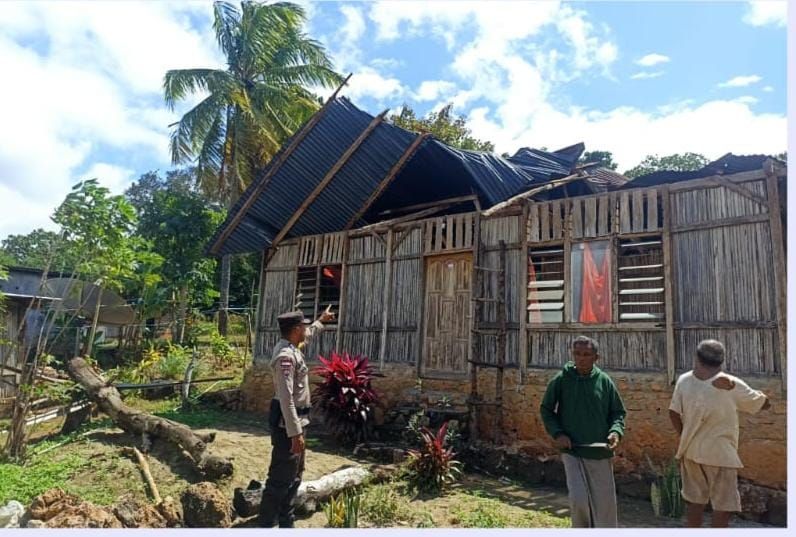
[
  {"x": 115, "y": 178},
  {"x": 368, "y": 82},
  {"x": 747, "y": 99},
  {"x": 354, "y": 27},
  {"x": 646, "y": 74},
  {"x": 652, "y": 59},
  {"x": 741, "y": 81},
  {"x": 713, "y": 129},
  {"x": 431, "y": 90},
  {"x": 768, "y": 89},
  {"x": 762, "y": 13},
  {"x": 88, "y": 80}
]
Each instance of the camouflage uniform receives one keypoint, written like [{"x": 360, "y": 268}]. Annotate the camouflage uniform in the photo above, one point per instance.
[{"x": 288, "y": 417}]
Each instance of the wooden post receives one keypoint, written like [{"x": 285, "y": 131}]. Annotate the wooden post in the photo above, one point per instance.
[
  {"x": 780, "y": 268},
  {"x": 669, "y": 283},
  {"x": 475, "y": 309},
  {"x": 385, "y": 316},
  {"x": 341, "y": 307},
  {"x": 523, "y": 335},
  {"x": 567, "y": 276},
  {"x": 501, "y": 342}
]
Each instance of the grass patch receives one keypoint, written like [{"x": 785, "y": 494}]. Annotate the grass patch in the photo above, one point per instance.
[
  {"x": 23, "y": 483},
  {"x": 474, "y": 511},
  {"x": 382, "y": 505}
]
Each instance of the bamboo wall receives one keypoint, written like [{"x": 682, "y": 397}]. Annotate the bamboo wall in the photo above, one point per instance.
[
  {"x": 10, "y": 319},
  {"x": 720, "y": 279}
]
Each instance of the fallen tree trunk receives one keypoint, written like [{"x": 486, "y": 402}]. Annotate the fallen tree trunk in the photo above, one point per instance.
[
  {"x": 310, "y": 494},
  {"x": 140, "y": 423}
]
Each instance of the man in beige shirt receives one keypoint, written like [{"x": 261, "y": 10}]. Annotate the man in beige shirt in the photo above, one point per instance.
[{"x": 704, "y": 412}]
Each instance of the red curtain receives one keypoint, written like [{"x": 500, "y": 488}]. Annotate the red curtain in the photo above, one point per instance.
[{"x": 595, "y": 306}]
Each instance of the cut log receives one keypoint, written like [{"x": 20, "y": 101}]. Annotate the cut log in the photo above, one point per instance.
[
  {"x": 310, "y": 494},
  {"x": 147, "y": 475},
  {"x": 137, "y": 422}
]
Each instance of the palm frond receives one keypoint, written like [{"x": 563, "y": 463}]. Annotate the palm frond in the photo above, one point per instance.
[
  {"x": 226, "y": 24},
  {"x": 193, "y": 128},
  {"x": 179, "y": 83}
]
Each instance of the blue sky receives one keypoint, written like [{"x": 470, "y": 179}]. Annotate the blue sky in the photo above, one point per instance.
[{"x": 84, "y": 98}]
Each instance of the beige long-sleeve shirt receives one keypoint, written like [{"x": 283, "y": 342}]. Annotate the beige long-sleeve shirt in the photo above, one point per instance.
[{"x": 291, "y": 382}]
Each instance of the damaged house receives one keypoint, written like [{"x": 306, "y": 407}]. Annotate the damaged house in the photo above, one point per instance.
[{"x": 472, "y": 273}]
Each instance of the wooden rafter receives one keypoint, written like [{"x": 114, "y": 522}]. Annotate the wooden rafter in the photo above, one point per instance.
[
  {"x": 387, "y": 179},
  {"x": 328, "y": 177},
  {"x": 459, "y": 199},
  {"x": 305, "y": 130},
  {"x": 532, "y": 192}
]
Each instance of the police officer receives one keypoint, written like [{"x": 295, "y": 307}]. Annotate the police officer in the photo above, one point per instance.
[{"x": 289, "y": 415}]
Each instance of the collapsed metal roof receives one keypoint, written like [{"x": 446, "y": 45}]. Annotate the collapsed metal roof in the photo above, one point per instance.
[
  {"x": 726, "y": 165},
  {"x": 344, "y": 167}
]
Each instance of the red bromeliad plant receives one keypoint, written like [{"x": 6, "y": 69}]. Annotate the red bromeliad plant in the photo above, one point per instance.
[
  {"x": 433, "y": 467},
  {"x": 344, "y": 395}
]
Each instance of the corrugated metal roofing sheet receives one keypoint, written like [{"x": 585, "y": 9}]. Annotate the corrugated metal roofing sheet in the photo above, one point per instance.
[
  {"x": 435, "y": 171},
  {"x": 726, "y": 165}
]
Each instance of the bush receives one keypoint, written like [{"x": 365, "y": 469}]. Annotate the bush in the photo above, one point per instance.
[
  {"x": 344, "y": 395},
  {"x": 432, "y": 467},
  {"x": 342, "y": 511},
  {"x": 382, "y": 505}
]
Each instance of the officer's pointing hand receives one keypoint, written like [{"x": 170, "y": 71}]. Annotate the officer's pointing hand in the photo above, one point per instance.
[
  {"x": 327, "y": 315},
  {"x": 297, "y": 444}
]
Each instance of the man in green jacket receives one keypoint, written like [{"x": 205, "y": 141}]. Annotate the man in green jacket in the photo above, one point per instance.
[{"x": 583, "y": 412}]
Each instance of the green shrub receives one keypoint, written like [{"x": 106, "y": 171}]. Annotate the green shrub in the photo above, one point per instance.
[
  {"x": 382, "y": 505},
  {"x": 665, "y": 491}
]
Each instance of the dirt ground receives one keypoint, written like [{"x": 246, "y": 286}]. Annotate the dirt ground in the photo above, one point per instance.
[{"x": 108, "y": 474}]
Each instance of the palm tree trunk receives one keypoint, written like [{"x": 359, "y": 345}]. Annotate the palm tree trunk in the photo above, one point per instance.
[{"x": 223, "y": 312}]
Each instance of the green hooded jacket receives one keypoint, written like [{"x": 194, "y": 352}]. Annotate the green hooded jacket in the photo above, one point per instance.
[{"x": 586, "y": 409}]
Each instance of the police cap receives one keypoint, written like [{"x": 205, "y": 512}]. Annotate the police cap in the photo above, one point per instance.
[{"x": 291, "y": 319}]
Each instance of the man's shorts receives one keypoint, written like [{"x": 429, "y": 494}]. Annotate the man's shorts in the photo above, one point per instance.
[{"x": 717, "y": 485}]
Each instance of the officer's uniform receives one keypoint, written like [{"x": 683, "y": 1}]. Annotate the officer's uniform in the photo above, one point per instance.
[{"x": 288, "y": 417}]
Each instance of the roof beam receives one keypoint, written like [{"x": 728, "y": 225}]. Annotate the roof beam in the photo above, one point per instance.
[
  {"x": 413, "y": 147},
  {"x": 532, "y": 192},
  {"x": 328, "y": 177},
  {"x": 419, "y": 206},
  {"x": 305, "y": 130}
]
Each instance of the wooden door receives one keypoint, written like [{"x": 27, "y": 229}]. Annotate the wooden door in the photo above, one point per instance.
[{"x": 447, "y": 314}]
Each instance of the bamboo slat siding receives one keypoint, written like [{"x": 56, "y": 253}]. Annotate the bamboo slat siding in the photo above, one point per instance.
[
  {"x": 618, "y": 350},
  {"x": 722, "y": 282},
  {"x": 730, "y": 274},
  {"x": 362, "y": 343},
  {"x": 286, "y": 256},
  {"x": 364, "y": 287},
  {"x": 709, "y": 204},
  {"x": 445, "y": 233},
  {"x": 367, "y": 247},
  {"x": 406, "y": 302},
  {"x": 503, "y": 228},
  {"x": 279, "y": 294},
  {"x": 10, "y": 320},
  {"x": 749, "y": 350},
  {"x": 323, "y": 345}
]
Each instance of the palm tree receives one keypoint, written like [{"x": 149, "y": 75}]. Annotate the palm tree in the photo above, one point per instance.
[{"x": 252, "y": 106}]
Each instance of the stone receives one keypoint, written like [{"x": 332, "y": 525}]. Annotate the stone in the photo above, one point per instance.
[
  {"x": 136, "y": 514},
  {"x": 205, "y": 506},
  {"x": 48, "y": 504},
  {"x": 777, "y": 509},
  {"x": 754, "y": 500},
  {"x": 171, "y": 512},
  {"x": 84, "y": 515},
  {"x": 10, "y": 514},
  {"x": 36, "y": 524}
]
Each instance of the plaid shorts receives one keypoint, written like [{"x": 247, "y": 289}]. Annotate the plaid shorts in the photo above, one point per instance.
[{"x": 717, "y": 485}]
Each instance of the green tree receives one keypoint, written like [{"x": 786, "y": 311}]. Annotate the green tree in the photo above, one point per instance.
[
  {"x": 444, "y": 126},
  {"x": 252, "y": 106},
  {"x": 679, "y": 162},
  {"x": 99, "y": 232},
  {"x": 782, "y": 156},
  {"x": 35, "y": 249},
  {"x": 604, "y": 158},
  {"x": 178, "y": 223}
]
